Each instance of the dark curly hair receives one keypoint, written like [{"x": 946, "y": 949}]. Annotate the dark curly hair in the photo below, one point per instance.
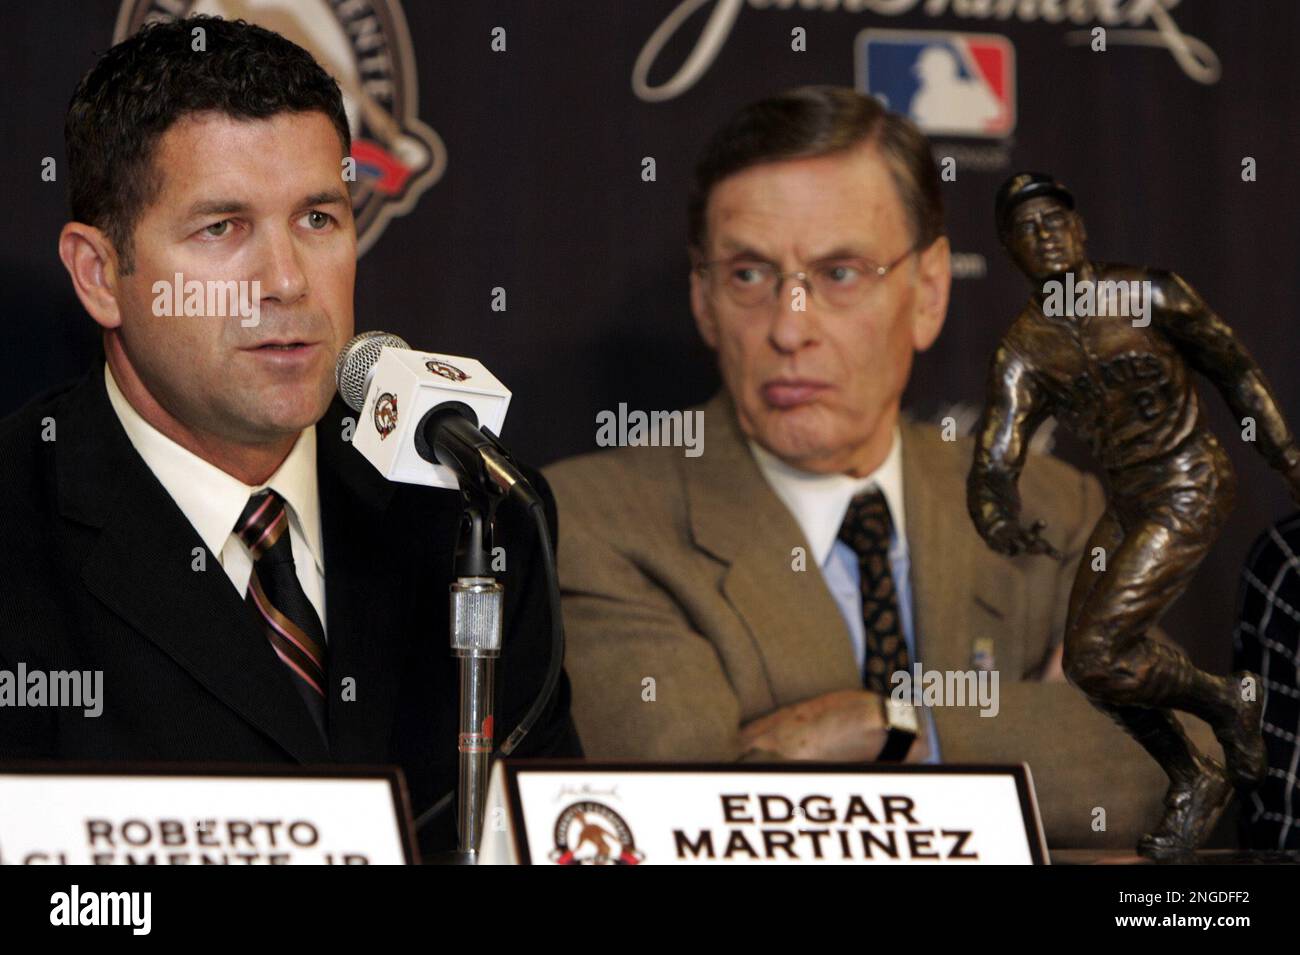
[{"x": 141, "y": 86}]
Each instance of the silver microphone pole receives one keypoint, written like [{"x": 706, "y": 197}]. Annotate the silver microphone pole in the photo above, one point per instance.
[
  {"x": 476, "y": 604},
  {"x": 449, "y": 435}
]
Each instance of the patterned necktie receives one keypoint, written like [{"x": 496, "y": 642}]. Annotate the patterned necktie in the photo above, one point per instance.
[
  {"x": 866, "y": 529},
  {"x": 277, "y": 600}
]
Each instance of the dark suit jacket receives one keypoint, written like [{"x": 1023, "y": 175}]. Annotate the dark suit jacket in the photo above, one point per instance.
[{"x": 97, "y": 564}]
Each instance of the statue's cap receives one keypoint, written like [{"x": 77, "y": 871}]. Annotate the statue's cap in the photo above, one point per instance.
[{"x": 1024, "y": 186}]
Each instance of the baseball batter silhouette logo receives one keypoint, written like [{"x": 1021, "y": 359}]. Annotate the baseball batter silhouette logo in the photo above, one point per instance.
[{"x": 948, "y": 83}]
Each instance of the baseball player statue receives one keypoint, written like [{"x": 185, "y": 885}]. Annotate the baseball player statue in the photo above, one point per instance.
[{"x": 1107, "y": 350}]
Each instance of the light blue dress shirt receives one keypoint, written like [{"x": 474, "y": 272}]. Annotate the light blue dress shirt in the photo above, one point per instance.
[
  {"x": 818, "y": 503},
  {"x": 843, "y": 577}
]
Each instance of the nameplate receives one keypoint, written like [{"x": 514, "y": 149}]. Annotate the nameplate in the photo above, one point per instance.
[
  {"x": 185, "y": 814},
  {"x": 553, "y": 812}
]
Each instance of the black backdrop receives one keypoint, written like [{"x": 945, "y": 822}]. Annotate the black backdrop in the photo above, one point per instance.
[{"x": 543, "y": 195}]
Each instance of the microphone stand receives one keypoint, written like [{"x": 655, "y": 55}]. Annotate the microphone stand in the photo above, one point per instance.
[
  {"x": 477, "y": 599},
  {"x": 448, "y": 435}
]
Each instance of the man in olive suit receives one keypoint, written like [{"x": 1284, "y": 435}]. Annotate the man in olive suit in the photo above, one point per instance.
[{"x": 756, "y": 600}]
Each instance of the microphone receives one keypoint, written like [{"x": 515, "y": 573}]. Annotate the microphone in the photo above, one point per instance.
[
  {"x": 420, "y": 415},
  {"x": 430, "y": 407},
  {"x": 354, "y": 369}
]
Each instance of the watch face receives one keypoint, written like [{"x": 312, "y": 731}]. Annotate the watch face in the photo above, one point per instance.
[{"x": 902, "y": 716}]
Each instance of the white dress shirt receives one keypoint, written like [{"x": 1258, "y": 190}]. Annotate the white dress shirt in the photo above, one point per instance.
[
  {"x": 818, "y": 503},
  {"x": 213, "y": 500}
]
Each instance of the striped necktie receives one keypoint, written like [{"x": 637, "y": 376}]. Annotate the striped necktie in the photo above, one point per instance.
[
  {"x": 277, "y": 600},
  {"x": 866, "y": 529}
]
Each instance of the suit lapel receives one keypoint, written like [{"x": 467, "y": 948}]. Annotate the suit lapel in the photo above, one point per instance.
[
  {"x": 363, "y": 598},
  {"x": 142, "y": 568},
  {"x": 965, "y": 598},
  {"x": 793, "y": 620},
  {"x": 961, "y": 591}
]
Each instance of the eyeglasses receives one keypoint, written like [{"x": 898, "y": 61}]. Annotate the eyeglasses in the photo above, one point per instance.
[{"x": 839, "y": 283}]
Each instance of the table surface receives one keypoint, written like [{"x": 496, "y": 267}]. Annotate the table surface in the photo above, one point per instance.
[{"x": 1202, "y": 857}]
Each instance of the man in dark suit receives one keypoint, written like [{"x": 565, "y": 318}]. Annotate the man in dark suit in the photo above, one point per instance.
[{"x": 189, "y": 520}]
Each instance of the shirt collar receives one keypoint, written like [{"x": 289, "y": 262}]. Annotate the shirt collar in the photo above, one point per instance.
[
  {"x": 213, "y": 500},
  {"x": 819, "y": 501}
]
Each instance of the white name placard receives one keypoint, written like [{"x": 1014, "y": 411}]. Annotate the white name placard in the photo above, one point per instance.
[
  {"x": 177, "y": 815},
  {"x": 550, "y": 812}
]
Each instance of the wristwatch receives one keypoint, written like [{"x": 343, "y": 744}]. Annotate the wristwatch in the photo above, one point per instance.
[{"x": 903, "y": 724}]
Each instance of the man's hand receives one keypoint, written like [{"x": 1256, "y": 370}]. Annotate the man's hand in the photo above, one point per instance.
[
  {"x": 1007, "y": 537},
  {"x": 843, "y": 726}
]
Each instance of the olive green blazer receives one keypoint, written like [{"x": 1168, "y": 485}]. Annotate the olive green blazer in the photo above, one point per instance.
[{"x": 686, "y": 617}]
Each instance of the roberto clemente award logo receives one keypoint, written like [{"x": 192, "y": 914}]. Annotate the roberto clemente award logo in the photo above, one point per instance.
[
  {"x": 385, "y": 416},
  {"x": 445, "y": 369},
  {"x": 590, "y": 833},
  {"x": 365, "y": 46}
]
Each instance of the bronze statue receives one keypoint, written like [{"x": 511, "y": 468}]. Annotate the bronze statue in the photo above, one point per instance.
[{"x": 1106, "y": 349}]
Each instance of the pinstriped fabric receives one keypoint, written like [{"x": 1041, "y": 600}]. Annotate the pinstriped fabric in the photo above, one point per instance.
[
  {"x": 866, "y": 529},
  {"x": 278, "y": 601}
]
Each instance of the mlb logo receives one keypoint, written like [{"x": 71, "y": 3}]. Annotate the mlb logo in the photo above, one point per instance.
[{"x": 949, "y": 84}]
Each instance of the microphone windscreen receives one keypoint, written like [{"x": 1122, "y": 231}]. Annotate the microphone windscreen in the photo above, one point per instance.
[{"x": 356, "y": 362}]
